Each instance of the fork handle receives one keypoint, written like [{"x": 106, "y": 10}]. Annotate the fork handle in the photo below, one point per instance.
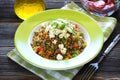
[
  {"x": 109, "y": 48},
  {"x": 113, "y": 43}
]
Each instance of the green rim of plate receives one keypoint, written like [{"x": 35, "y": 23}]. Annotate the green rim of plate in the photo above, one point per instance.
[{"x": 93, "y": 48}]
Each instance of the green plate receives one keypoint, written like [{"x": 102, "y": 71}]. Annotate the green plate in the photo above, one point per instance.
[{"x": 92, "y": 31}]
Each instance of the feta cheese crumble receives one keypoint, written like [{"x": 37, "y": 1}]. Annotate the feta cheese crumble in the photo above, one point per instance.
[
  {"x": 62, "y": 48},
  {"x": 54, "y": 42},
  {"x": 59, "y": 57}
]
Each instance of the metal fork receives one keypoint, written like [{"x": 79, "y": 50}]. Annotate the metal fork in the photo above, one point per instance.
[{"x": 93, "y": 67}]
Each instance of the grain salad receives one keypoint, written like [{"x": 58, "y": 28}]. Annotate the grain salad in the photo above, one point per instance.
[{"x": 59, "y": 39}]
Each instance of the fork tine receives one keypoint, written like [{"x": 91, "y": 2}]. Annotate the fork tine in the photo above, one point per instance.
[
  {"x": 88, "y": 72},
  {"x": 85, "y": 72},
  {"x": 90, "y": 75},
  {"x": 85, "y": 75},
  {"x": 94, "y": 68}
]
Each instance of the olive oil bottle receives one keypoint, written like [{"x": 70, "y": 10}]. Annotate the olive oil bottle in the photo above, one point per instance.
[{"x": 26, "y": 8}]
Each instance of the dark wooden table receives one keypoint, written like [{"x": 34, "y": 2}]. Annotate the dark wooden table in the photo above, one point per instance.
[{"x": 9, "y": 70}]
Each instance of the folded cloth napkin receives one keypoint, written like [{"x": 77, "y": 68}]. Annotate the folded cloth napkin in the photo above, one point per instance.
[{"x": 107, "y": 24}]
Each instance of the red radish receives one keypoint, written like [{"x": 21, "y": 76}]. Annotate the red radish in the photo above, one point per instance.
[
  {"x": 110, "y": 1},
  {"x": 109, "y": 7},
  {"x": 105, "y": 1},
  {"x": 99, "y": 4},
  {"x": 90, "y": 6}
]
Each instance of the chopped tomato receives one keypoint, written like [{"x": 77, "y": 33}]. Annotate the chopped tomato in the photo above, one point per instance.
[
  {"x": 45, "y": 35},
  {"x": 49, "y": 52},
  {"x": 47, "y": 56},
  {"x": 40, "y": 50},
  {"x": 69, "y": 55},
  {"x": 76, "y": 45}
]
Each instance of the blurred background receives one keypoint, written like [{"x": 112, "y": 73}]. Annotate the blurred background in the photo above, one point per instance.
[{"x": 8, "y": 7}]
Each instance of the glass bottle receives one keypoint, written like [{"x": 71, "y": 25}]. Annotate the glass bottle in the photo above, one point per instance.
[{"x": 26, "y": 8}]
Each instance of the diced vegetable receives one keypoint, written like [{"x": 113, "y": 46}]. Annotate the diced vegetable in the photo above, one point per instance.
[
  {"x": 84, "y": 45},
  {"x": 55, "y": 25},
  {"x": 58, "y": 40},
  {"x": 40, "y": 50},
  {"x": 36, "y": 43},
  {"x": 62, "y": 26}
]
